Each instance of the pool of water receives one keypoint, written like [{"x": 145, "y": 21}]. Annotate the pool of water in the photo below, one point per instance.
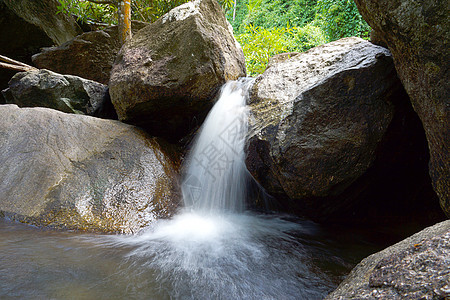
[{"x": 225, "y": 256}]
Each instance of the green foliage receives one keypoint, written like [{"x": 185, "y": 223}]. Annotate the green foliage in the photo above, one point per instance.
[
  {"x": 279, "y": 13},
  {"x": 151, "y": 10},
  {"x": 340, "y": 18},
  {"x": 143, "y": 10},
  {"x": 86, "y": 11},
  {"x": 260, "y": 44},
  {"x": 263, "y": 27}
]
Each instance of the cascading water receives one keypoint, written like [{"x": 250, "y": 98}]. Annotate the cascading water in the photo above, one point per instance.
[
  {"x": 215, "y": 169},
  {"x": 214, "y": 249}
]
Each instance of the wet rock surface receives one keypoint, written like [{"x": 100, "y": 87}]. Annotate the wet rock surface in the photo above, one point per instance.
[
  {"x": 66, "y": 93},
  {"x": 317, "y": 119},
  {"x": 417, "y": 33},
  {"x": 166, "y": 77},
  {"x": 89, "y": 55},
  {"x": 69, "y": 171},
  {"x": 416, "y": 268}
]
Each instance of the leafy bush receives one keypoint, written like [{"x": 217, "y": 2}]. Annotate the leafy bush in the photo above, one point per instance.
[
  {"x": 340, "y": 18},
  {"x": 260, "y": 44},
  {"x": 279, "y": 13},
  {"x": 89, "y": 12},
  {"x": 143, "y": 10}
]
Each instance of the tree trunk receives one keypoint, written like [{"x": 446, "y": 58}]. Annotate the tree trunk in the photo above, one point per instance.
[{"x": 124, "y": 20}]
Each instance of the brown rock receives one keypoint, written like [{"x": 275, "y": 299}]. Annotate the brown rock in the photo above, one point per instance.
[
  {"x": 90, "y": 55},
  {"x": 317, "y": 119},
  {"x": 166, "y": 77}
]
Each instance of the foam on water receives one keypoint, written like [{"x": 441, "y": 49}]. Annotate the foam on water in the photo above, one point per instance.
[{"x": 211, "y": 250}]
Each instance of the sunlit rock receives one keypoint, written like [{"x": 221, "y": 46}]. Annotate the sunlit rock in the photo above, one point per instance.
[
  {"x": 78, "y": 172},
  {"x": 316, "y": 121},
  {"x": 166, "y": 77}
]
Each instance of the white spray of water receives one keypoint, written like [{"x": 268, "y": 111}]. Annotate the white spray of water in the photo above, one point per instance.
[
  {"x": 214, "y": 249},
  {"x": 215, "y": 171}
]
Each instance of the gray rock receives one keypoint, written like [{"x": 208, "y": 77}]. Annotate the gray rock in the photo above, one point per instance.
[
  {"x": 89, "y": 55},
  {"x": 43, "y": 88},
  {"x": 19, "y": 40},
  {"x": 43, "y": 14},
  {"x": 418, "y": 33},
  {"x": 317, "y": 118},
  {"x": 165, "y": 78},
  {"x": 71, "y": 171},
  {"x": 415, "y": 268}
]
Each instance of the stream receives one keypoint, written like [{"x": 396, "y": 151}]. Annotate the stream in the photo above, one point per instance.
[{"x": 213, "y": 249}]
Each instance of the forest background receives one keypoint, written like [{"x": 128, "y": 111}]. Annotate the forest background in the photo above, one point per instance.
[{"x": 264, "y": 28}]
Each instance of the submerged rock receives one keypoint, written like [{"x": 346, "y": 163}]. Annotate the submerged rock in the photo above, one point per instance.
[
  {"x": 415, "y": 268},
  {"x": 166, "y": 77},
  {"x": 70, "y": 94},
  {"x": 71, "y": 171},
  {"x": 89, "y": 55},
  {"x": 417, "y": 33},
  {"x": 317, "y": 119}
]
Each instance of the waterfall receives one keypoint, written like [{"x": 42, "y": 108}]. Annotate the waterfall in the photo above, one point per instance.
[{"x": 215, "y": 172}]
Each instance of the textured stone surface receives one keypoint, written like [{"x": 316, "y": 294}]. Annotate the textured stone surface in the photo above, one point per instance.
[
  {"x": 43, "y": 88},
  {"x": 418, "y": 33},
  {"x": 415, "y": 268},
  {"x": 71, "y": 171},
  {"x": 166, "y": 77},
  {"x": 317, "y": 119},
  {"x": 89, "y": 55},
  {"x": 19, "y": 40},
  {"x": 43, "y": 14}
]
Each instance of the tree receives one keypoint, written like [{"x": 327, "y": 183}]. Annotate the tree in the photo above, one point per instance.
[
  {"x": 99, "y": 11},
  {"x": 124, "y": 20}
]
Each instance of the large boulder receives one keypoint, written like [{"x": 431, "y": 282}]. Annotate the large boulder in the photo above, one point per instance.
[
  {"x": 28, "y": 25},
  {"x": 18, "y": 40},
  {"x": 89, "y": 55},
  {"x": 165, "y": 78},
  {"x": 70, "y": 94},
  {"x": 78, "y": 172},
  {"x": 415, "y": 268},
  {"x": 44, "y": 14},
  {"x": 316, "y": 120},
  {"x": 417, "y": 33}
]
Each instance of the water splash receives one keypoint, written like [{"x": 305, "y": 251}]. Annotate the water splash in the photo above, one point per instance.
[{"x": 216, "y": 175}]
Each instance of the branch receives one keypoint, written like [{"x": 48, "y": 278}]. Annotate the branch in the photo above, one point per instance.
[
  {"x": 109, "y": 2},
  {"x": 16, "y": 67},
  {"x": 14, "y": 62}
]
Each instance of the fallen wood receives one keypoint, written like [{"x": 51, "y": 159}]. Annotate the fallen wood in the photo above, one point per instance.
[
  {"x": 16, "y": 67},
  {"x": 14, "y": 62}
]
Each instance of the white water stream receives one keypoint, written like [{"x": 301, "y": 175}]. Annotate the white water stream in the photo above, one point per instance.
[
  {"x": 213, "y": 249},
  {"x": 216, "y": 175}
]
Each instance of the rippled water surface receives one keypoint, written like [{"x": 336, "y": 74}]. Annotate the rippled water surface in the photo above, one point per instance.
[{"x": 228, "y": 256}]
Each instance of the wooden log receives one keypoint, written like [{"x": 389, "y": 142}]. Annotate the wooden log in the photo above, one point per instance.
[
  {"x": 14, "y": 62},
  {"x": 16, "y": 67}
]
